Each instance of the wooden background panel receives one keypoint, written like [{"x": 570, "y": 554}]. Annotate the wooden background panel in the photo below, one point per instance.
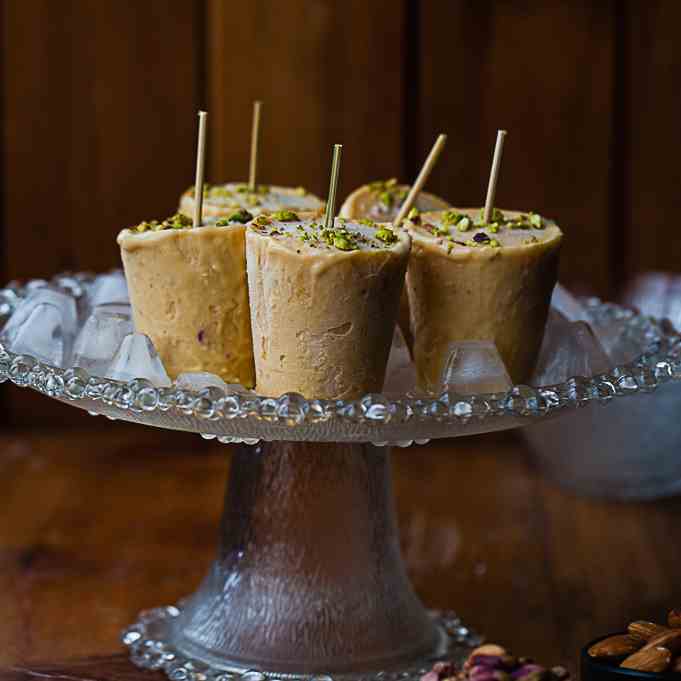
[
  {"x": 545, "y": 72},
  {"x": 326, "y": 71},
  {"x": 100, "y": 101},
  {"x": 653, "y": 135}
]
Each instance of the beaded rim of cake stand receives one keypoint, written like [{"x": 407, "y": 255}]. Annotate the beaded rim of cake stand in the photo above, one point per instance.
[
  {"x": 148, "y": 644},
  {"x": 658, "y": 363}
]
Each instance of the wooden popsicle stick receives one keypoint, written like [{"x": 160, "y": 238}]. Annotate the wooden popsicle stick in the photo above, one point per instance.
[
  {"x": 200, "y": 164},
  {"x": 333, "y": 186},
  {"x": 255, "y": 135},
  {"x": 493, "y": 176},
  {"x": 422, "y": 178}
]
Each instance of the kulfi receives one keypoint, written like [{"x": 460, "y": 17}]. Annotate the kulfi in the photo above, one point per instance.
[
  {"x": 382, "y": 200},
  {"x": 223, "y": 199},
  {"x": 472, "y": 281},
  {"x": 188, "y": 292},
  {"x": 324, "y": 304}
]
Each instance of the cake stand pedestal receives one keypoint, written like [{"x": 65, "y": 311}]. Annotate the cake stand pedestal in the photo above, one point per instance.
[{"x": 309, "y": 577}]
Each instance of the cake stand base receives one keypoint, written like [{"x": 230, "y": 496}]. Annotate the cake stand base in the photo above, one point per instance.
[{"x": 309, "y": 578}]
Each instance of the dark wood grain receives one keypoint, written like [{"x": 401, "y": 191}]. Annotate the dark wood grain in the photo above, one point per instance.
[
  {"x": 326, "y": 72},
  {"x": 99, "y": 118},
  {"x": 652, "y": 136},
  {"x": 127, "y": 519},
  {"x": 544, "y": 71}
]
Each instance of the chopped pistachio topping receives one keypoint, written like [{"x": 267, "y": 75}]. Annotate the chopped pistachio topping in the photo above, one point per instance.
[
  {"x": 177, "y": 221},
  {"x": 300, "y": 191},
  {"x": 535, "y": 220},
  {"x": 386, "y": 198},
  {"x": 439, "y": 230},
  {"x": 497, "y": 216},
  {"x": 343, "y": 235},
  {"x": 530, "y": 239},
  {"x": 464, "y": 224},
  {"x": 414, "y": 215},
  {"x": 285, "y": 216},
  {"x": 367, "y": 222},
  {"x": 242, "y": 216},
  {"x": 343, "y": 243},
  {"x": 388, "y": 193},
  {"x": 386, "y": 235},
  {"x": 262, "y": 221}
]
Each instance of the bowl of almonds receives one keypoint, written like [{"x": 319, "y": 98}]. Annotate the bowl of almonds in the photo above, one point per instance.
[{"x": 645, "y": 650}]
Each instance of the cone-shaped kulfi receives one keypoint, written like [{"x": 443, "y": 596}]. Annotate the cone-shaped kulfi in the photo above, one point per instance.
[
  {"x": 473, "y": 281},
  {"x": 189, "y": 294},
  {"x": 223, "y": 199},
  {"x": 382, "y": 200},
  {"x": 324, "y": 304}
]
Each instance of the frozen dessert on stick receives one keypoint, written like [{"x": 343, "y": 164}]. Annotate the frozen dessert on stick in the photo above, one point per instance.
[
  {"x": 220, "y": 200},
  {"x": 480, "y": 275},
  {"x": 188, "y": 289},
  {"x": 384, "y": 200},
  {"x": 324, "y": 298}
]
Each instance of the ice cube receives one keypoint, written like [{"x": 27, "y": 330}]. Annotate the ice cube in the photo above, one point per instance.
[
  {"x": 565, "y": 303},
  {"x": 43, "y": 325},
  {"x": 198, "y": 380},
  {"x": 109, "y": 288},
  {"x": 400, "y": 372},
  {"x": 137, "y": 358},
  {"x": 569, "y": 349},
  {"x": 101, "y": 336},
  {"x": 475, "y": 367}
]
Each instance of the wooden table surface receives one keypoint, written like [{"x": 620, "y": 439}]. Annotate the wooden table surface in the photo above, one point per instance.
[{"x": 100, "y": 523}]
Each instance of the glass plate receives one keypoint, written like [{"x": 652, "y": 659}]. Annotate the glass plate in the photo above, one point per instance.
[{"x": 243, "y": 416}]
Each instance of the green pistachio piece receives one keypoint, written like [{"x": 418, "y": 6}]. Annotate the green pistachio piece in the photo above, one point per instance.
[
  {"x": 494, "y": 243},
  {"x": 414, "y": 215},
  {"x": 263, "y": 189},
  {"x": 300, "y": 191},
  {"x": 386, "y": 235},
  {"x": 386, "y": 198},
  {"x": 535, "y": 220},
  {"x": 497, "y": 216},
  {"x": 464, "y": 224},
  {"x": 242, "y": 216},
  {"x": 391, "y": 183},
  {"x": 493, "y": 227},
  {"x": 530, "y": 240},
  {"x": 343, "y": 243},
  {"x": 367, "y": 222},
  {"x": 285, "y": 216},
  {"x": 262, "y": 221},
  {"x": 440, "y": 230}
]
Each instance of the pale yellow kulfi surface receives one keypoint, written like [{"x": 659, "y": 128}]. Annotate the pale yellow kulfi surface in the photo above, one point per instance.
[
  {"x": 473, "y": 281},
  {"x": 224, "y": 199},
  {"x": 189, "y": 294},
  {"x": 382, "y": 200},
  {"x": 323, "y": 304}
]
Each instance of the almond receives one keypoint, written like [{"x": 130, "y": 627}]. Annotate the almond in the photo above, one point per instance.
[
  {"x": 670, "y": 639},
  {"x": 649, "y": 660},
  {"x": 674, "y": 618},
  {"x": 488, "y": 649},
  {"x": 644, "y": 631},
  {"x": 614, "y": 646}
]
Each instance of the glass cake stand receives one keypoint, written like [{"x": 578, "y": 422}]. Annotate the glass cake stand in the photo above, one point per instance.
[{"x": 309, "y": 580}]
